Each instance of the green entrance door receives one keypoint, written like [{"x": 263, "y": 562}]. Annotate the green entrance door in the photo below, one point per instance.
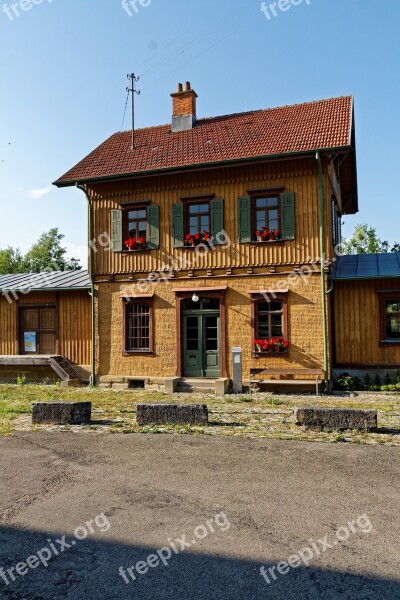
[{"x": 201, "y": 342}]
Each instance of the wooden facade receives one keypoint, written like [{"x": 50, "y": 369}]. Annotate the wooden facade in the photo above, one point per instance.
[
  {"x": 297, "y": 176},
  {"x": 357, "y": 335},
  {"x": 68, "y": 323}
]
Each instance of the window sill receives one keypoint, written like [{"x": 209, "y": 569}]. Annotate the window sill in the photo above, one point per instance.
[
  {"x": 389, "y": 343},
  {"x": 138, "y": 353},
  {"x": 141, "y": 251},
  {"x": 268, "y": 354},
  {"x": 258, "y": 243}
]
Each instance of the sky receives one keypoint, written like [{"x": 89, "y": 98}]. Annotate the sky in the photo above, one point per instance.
[{"x": 63, "y": 71}]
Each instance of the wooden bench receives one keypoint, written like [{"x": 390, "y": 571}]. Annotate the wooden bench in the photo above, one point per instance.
[{"x": 316, "y": 373}]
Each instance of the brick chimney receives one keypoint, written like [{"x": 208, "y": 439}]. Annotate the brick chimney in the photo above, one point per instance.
[{"x": 183, "y": 108}]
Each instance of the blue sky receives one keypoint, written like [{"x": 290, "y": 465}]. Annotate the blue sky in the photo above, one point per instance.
[{"x": 63, "y": 78}]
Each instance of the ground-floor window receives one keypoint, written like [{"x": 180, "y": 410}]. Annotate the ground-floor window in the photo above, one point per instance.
[
  {"x": 269, "y": 323},
  {"x": 390, "y": 317},
  {"x": 138, "y": 325}
]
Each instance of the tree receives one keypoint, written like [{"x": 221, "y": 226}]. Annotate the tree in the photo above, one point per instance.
[
  {"x": 11, "y": 261},
  {"x": 46, "y": 255},
  {"x": 364, "y": 241}
]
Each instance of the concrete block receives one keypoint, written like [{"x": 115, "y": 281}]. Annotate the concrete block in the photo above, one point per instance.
[
  {"x": 120, "y": 386},
  {"x": 175, "y": 414},
  {"x": 170, "y": 384},
  {"x": 222, "y": 386},
  {"x": 61, "y": 413},
  {"x": 333, "y": 419}
]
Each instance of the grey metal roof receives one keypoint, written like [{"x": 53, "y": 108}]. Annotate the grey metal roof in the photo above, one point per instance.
[
  {"x": 367, "y": 266},
  {"x": 46, "y": 281}
]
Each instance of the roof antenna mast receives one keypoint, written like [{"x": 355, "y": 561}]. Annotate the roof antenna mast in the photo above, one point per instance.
[{"x": 132, "y": 89}]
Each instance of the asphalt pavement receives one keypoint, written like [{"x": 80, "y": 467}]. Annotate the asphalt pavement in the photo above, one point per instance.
[{"x": 107, "y": 516}]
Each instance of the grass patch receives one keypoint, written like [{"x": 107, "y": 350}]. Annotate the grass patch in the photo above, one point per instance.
[{"x": 259, "y": 415}]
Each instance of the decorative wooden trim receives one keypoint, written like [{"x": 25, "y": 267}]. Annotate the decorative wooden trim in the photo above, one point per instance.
[
  {"x": 267, "y": 190},
  {"x": 207, "y": 293},
  {"x": 213, "y": 290}
]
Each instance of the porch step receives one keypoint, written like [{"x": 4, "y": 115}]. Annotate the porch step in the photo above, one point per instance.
[
  {"x": 64, "y": 369},
  {"x": 189, "y": 385}
]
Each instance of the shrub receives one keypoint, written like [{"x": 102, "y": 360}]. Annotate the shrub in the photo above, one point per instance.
[{"x": 348, "y": 383}]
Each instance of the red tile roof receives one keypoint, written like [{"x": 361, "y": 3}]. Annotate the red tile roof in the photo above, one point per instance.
[{"x": 304, "y": 127}]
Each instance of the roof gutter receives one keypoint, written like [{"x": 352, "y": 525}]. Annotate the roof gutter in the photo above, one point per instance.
[
  {"x": 323, "y": 262},
  {"x": 91, "y": 274},
  {"x": 223, "y": 163}
]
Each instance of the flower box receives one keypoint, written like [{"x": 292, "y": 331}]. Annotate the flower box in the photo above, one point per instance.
[
  {"x": 267, "y": 235},
  {"x": 193, "y": 240},
  {"x": 275, "y": 346},
  {"x": 135, "y": 244}
]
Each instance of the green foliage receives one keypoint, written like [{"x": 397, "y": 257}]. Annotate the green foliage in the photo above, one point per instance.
[
  {"x": 348, "y": 383},
  {"x": 46, "y": 255},
  {"x": 366, "y": 241},
  {"x": 377, "y": 381},
  {"x": 21, "y": 380},
  {"x": 11, "y": 261},
  {"x": 388, "y": 381}
]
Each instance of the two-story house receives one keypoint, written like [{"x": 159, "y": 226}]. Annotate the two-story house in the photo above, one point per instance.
[{"x": 218, "y": 230}]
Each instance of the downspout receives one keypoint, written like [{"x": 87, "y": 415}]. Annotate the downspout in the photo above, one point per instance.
[
  {"x": 91, "y": 273},
  {"x": 322, "y": 255}
]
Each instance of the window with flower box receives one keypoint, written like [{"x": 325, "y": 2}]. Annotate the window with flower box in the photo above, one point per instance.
[
  {"x": 266, "y": 216},
  {"x": 135, "y": 228},
  {"x": 269, "y": 324},
  {"x": 138, "y": 325},
  {"x": 197, "y": 221}
]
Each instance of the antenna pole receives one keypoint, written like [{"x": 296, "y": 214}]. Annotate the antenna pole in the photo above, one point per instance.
[{"x": 132, "y": 89}]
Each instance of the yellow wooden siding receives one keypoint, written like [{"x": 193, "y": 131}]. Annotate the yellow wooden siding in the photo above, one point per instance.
[
  {"x": 75, "y": 327},
  {"x": 298, "y": 176},
  {"x": 74, "y": 323},
  {"x": 8, "y": 327},
  {"x": 357, "y": 327}
]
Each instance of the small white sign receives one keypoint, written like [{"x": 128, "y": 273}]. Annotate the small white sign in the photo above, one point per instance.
[
  {"x": 236, "y": 359},
  {"x": 30, "y": 341},
  {"x": 236, "y": 349}
]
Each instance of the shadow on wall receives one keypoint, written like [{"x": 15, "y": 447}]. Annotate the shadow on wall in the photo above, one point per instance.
[{"x": 90, "y": 570}]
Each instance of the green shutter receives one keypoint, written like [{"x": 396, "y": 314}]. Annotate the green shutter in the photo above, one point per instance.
[
  {"x": 153, "y": 224},
  {"x": 217, "y": 219},
  {"x": 244, "y": 220},
  {"x": 287, "y": 212},
  {"x": 116, "y": 230},
  {"x": 177, "y": 225}
]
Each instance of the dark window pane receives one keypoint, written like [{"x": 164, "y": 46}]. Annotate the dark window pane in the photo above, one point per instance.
[
  {"x": 205, "y": 223},
  {"x": 193, "y": 221},
  {"x": 261, "y": 202},
  {"x": 211, "y": 303},
  {"x": 273, "y": 215},
  {"x": 272, "y": 201}
]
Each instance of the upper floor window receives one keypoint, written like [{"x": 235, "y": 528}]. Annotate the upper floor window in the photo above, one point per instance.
[
  {"x": 135, "y": 227},
  {"x": 336, "y": 224},
  {"x": 197, "y": 221},
  {"x": 266, "y": 216}
]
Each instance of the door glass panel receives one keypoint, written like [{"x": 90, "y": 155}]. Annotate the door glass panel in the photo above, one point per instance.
[{"x": 210, "y": 303}]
